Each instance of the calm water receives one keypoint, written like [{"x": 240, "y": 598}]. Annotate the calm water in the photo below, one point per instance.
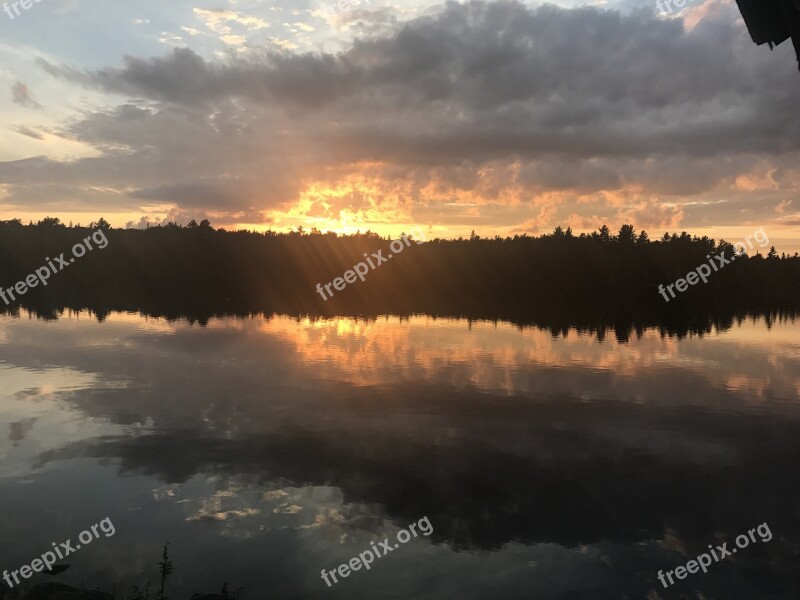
[{"x": 267, "y": 450}]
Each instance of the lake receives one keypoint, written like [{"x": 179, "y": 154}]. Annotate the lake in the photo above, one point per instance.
[{"x": 266, "y": 450}]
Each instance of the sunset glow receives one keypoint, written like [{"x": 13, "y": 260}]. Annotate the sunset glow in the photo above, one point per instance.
[{"x": 360, "y": 116}]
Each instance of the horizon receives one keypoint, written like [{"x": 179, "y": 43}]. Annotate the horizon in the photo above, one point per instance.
[
  {"x": 652, "y": 237},
  {"x": 493, "y": 117}
]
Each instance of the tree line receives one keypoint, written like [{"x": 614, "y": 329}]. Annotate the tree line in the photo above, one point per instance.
[{"x": 560, "y": 280}]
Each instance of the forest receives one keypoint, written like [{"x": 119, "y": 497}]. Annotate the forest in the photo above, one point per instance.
[{"x": 593, "y": 281}]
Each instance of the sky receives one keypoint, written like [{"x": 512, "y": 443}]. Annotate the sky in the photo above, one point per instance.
[{"x": 499, "y": 117}]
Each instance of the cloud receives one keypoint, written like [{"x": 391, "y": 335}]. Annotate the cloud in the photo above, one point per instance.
[
  {"x": 782, "y": 206},
  {"x": 21, "y": 94},
  {"x": 478, "y": 103},
  {"x": 218, "y": 20},
  {"x": 27, "y": 131},
  {"x": 652, "y": 215}
]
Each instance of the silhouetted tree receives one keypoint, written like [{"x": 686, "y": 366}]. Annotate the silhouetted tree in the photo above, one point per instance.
[
  {"x": 101, "y": 223},
  {"x": 627, "y": 234},
  {"x": 50, "y": 222}
]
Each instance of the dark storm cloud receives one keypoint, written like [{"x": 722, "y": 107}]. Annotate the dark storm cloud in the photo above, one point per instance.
[
  {"x": 220, "y": 194},
  {"x": 183, "y": 77},
  {"x": 583, "y": 99},
  {"x": 531, "y": 72}
]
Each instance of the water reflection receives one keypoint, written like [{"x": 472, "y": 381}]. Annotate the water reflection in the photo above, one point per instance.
[{"x": 266, "y": 450}]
